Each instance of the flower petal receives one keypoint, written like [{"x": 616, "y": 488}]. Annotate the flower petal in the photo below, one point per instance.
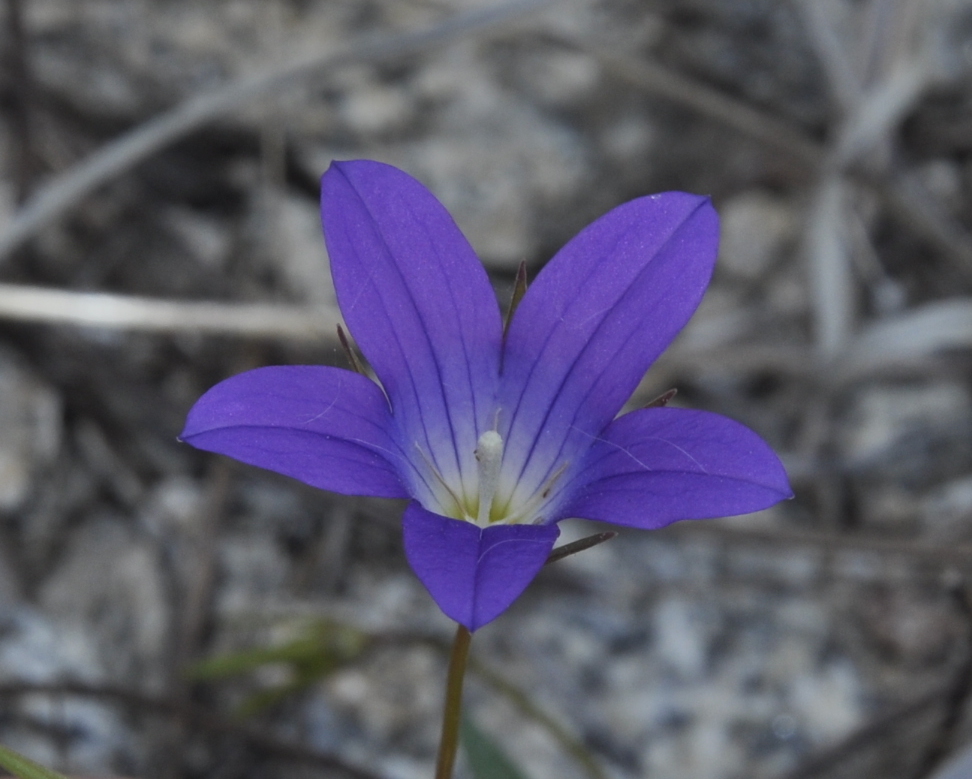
[
  {"x": 420, "y": 306},
  {"x": 474, "y": 573},
  {"x": 597, "y": 316},
  {"x": 658, "y": 465},
  {"x": 325, "y": 426}
]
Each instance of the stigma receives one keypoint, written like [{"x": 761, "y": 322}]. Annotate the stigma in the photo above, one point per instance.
[{"x": 489, "y": 458}]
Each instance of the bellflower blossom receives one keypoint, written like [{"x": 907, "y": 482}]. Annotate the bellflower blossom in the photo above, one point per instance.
[{"x": 496, "y": 437}]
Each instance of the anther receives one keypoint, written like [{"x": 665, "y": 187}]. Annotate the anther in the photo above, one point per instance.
[{"x": 536, "y": 501}]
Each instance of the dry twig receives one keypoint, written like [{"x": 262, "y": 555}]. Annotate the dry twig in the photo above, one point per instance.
[
  {"x": 20, "y": 99},
  {"x": 23, "y": 303},
  {"x": 122, "y": 154},
  {"x": 903, "y": 197},
  {"x": 870, "y": 734},
  {"x": 195, "y": 717},
  {"x": 958, "y": 554}
]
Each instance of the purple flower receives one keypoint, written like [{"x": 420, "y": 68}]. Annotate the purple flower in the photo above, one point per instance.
[{"x": 495, "y": 439}]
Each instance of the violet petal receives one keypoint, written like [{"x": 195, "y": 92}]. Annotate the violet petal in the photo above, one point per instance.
[
  {"x": 655, "y": 466},
  {"x": 325, "y": 426},
  {"x": 420, "y": 306},
  {"x": 474, "y": 573},
  {"x": 595, "y": 319}
]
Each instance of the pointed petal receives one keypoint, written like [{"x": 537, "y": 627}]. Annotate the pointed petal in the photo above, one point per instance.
[
  {"x": 325, "y": 426},
  {"x": 420, "y": 306},
  {"x": 595, "y": 319},
  {"x": 658, "y": 465},
  {"x": 474, "y": 573}
]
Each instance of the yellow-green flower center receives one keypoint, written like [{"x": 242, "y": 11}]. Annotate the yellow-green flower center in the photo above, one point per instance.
[{"x": 490, "y": 501}]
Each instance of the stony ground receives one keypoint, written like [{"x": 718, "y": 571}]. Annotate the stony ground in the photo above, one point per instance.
[{"x": 829, "y": 637}]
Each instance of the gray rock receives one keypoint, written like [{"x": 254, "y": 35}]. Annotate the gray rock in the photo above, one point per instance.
[
  {"x": 111, "y": 581},
  {"x": 30, "y": 417},
  {"x": 34, "y": 649},
  {"x": 756, "y": 227}
]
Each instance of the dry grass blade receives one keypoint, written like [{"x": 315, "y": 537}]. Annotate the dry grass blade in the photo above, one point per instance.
[
  {"x": 829, "y": 254},
  {"x": 124, "y": 312},
  {"x": 908, "y": 201},
  {"x": 68, "y": 189},
  {"x": 960, "y": 767},
  {"x": 665, "y": 82},
  {"x": 928, "y": 329},
  {"x": 199, "y": 719},
  {"x": 959, "y": 554},
  {"x": 19, "y": 101},
  {"x": 569, "y": 743},
  {"x": 818, "y": 767},
  {"x": 881, "y": 109},
  {"x": 923, "y": 331},
  {"x": 903, "y": 198},
  {"x": 844, "y": 81}
]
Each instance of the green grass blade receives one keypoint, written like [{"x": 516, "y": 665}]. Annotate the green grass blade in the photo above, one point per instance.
[
  {"x": 485, "y": 757},
  {"x": 23, "y": 768}
]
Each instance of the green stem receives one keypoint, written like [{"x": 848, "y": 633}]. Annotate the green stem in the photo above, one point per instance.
[{"x": 452, "y": 715}]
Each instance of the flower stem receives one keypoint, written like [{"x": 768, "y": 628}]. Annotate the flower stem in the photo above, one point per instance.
[{"x": 452, "y": 715}]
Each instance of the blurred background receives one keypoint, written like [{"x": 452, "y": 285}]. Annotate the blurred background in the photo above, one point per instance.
[{"x": 167, "y": 613}]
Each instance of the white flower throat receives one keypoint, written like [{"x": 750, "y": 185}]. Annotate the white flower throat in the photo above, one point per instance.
[{"x": 491, "y": 502}]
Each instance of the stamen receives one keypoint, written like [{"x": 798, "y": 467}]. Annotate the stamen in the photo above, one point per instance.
[
  {"x": 489, "y": 455},
  {"x": 442, "y": 481},
  {"x": 538, "y": 497}
]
